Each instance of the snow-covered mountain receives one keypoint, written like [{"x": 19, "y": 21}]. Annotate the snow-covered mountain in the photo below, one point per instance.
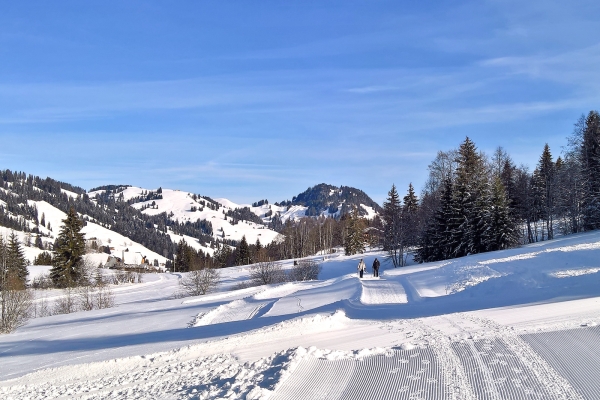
[
  {"x": 226, "y": 221},
  {"x": 320, "y": 200},
  {"x": 132, "y": 222}
]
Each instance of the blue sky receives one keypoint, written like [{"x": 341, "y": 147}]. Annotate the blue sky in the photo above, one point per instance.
[{"x": 251, "y": 100}]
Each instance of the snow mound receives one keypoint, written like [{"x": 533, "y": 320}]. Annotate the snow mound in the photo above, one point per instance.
[{"x": 237, "y": 310}]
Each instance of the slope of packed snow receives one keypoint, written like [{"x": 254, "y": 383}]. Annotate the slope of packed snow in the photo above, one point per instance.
[{"x": 495, "y": 325}]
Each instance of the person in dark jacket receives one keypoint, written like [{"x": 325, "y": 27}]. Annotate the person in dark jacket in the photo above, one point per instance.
[{"x": 376, "y": 268}]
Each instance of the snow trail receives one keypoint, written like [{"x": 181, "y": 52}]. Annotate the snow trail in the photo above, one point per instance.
[{"x": 382, "y": 291}]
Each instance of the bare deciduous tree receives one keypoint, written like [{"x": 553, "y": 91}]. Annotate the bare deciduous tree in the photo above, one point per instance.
[
  {"x": 15, "y": 304},
  {"x": 103, "y": 297},
  {"x": 305, "y": 270},
  {"x": 200, "y": 281},
  {"x": 266, "y": 272},
  {"x": 41, "y": 308},
  {"x": 67, "y": 303},
  {"x": 85, "y": 297}
]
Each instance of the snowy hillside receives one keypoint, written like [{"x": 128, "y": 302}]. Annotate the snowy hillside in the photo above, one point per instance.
[
  {"x": 319, "y": 200},
  {"x": 292, "y": 212},
  {"x": 182, "y": 206},
  {"x": 267, "y": 211},
  {"x": 517, "y": 324},
  {"x": 119, "y": 244}
]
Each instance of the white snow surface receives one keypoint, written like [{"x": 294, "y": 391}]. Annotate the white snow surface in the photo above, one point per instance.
[{"x": 495, "y": 325}]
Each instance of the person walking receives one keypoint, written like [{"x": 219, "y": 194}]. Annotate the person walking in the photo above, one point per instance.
[
  {"x": 361, "y": 268},
  {"x": 376, "y": 268}
]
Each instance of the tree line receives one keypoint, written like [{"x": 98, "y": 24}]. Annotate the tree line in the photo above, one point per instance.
[{"x": 473, "y": 203}]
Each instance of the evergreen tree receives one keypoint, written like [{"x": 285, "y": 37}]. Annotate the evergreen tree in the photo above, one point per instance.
[
  {"x": 183, "y": 257},
  {"x": 354, "y": 242},
  {"x": 243, "y": 253},
  {"x": 470, "y": 198},
  {"x": 38, "y": 242},
  {"x": 68, "y": 252},
  {"x": 257, "y": 251},
  {"x": 590, "y": 160},
  {"x": 501, "y": 230},
  {"x": 17, "y": 264},
  {"x": 544, "y": 191},
  {"x": 410, "y": 217},
  {"x": 222, "y": 255},
  {"x": 4, "y": 272},
  {"x": 44, "y": 258},
  {"x": 392, "y": 233},
  {"x": 435, "y": 242}
]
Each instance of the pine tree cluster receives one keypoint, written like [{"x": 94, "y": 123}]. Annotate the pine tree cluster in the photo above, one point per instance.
[{"x": 473, "y": 215}]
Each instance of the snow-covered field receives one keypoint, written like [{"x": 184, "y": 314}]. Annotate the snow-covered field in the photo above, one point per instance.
[{"x": 515, "y": 324}]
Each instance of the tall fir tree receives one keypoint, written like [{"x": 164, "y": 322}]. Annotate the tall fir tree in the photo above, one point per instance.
[
  {"x": 222, "y": 255},
  {"x": 257, "y": 253},
  {"x": 590, "y": 160},
  {"x": 183, "y": 257},
  {"x": 243, "y": 252},
  {"x": 501, "y": 230},
  {"x": 470, "y": 198},
  {"x": 435, "y": 242},
  {"x": 410, "y": 217},
  {"x": 392, "y": 231},
  {"x": 17, "y": 264},
  {"x": 354, "y": 242},
  {"x": 544, "y": 191},
  {"x": 3, "y": 263},
  {"x": 69, "y": 249}
]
